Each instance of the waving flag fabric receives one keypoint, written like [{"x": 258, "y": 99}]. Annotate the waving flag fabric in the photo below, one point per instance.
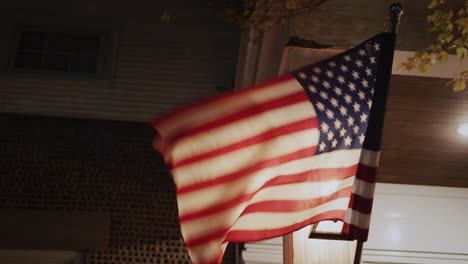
[{"x": 270, "y": 159}]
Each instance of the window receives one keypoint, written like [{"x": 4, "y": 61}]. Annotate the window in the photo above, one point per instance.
[{"x": 68, "y": 51}]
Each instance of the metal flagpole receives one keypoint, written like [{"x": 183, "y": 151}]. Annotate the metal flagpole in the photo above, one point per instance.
[{"x": 396, "y": 10}]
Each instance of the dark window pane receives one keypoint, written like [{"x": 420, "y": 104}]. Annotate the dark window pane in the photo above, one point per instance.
[
  {"x": 28, "y": 60},
  {"x": 56, "y": 62},
  {"x": 87, "y": 44},
  {"x": 84, "y": 64},
  {"x": 61, "y": 42},
  {"x": 32, "y": 40}
]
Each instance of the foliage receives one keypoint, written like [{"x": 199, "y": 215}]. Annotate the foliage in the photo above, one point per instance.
[
  {"x": 452, "y": 29},
  {"x": 263, "y": 14}
]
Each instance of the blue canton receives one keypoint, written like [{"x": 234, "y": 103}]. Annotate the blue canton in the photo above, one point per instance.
[{"x": 341, "y": 90}]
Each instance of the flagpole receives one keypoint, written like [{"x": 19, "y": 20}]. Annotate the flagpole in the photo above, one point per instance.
[{"x": 396, "y": 10}]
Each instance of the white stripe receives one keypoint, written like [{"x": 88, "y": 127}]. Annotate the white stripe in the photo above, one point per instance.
[
  {"x": 255, "y": 221},
  {"x": 358, "y": 219},
  {"x": 228, "y": 163},
  {"x": 206, "y": 252},
  {"x": 259, "y": 221},
  {"x": 364, "y": 189},
  {"x": 205, "y": 198},
  {"x": 203, "y": 226},
  {"x": 206, "y": 112},
  {"x": 370, "y": 158},
  {"x": 241, "y": 130},
  {"x": 301, "y": 191}
]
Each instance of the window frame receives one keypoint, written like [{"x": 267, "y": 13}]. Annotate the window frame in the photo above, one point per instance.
[{"x": 104, "y": 63}]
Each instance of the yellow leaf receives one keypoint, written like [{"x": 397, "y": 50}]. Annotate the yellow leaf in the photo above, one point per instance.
[
  {"x": 442, "y": 58},
  {"x": 433, "y": 4},
  {"x": 293, "y": 4},
  {"x": 425, "y": 56},
  {"x": 459, "y": 85},
  {"x": 422, "y": 68}
]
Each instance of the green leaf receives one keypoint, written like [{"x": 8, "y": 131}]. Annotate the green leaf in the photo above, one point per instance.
[
  {"x": 449, "y": 28},
  {"x": 462, "y": 24},
  {"x": 425, "y": 56},
  {"x": 445, "y": 38},
  {"x": 442, "y": 58},
  {"x": 459, "y": 85},
  {"x": 462, "y": 52},
  {"x": 422, "y": 67}
]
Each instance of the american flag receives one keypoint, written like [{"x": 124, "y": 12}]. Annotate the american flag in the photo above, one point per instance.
[{"x": 270, "y": 159}]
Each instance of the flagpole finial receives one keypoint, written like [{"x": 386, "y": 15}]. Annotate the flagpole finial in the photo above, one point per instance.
[{"x": 396, "y": 10}]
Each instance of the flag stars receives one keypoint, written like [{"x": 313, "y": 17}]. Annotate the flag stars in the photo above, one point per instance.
[
  {"x": 348, "y": 99},
  {"x": 361, "y": 95},
  {"x": 324, "y": 95},
  {"x": 376, "y": 46},
  {"x": 315, "y": 79},
  {"x": 320, "y": 106},
  {"x": 361, "y": 138},
  {"x": 330, "y": 135},
  {"x": 326, "y": 84},
  {"x": 337, "y": 124},
  {"x": 355, "y": 75},
  {"x": 362, "y": 52},
  {"x": 352, "y": 86},
  {"x": 348, "y": 141},
  {"x": 365, "y": 83},
  {"x": 332, "y": 64},
  {"x": 325, "y": 127},
  {"x": 344, "y": 68},
  {"x": 372, "y": 60},
  {"x": 359, "y": 63},
  {"x": 317, "y": 70},
  {"x": 313, "y": 89},
  {"x": 322, "y": 146},
  {"x": 368, "y": 71},
  {"x": 330, "y": 114},
  {"x": 356, "y": 129},
  {"x": 347, "y": 58},
  {"x": 303, "y": 75},
  {"x": 341, "y": 79},
  {"x": 338, "y": 91},
  {"x": 363, "y": 118},
  {"x": 334, "y": 143},
  {"x": 334, "y": 102},
  {"x": 343, "y": 111},
  {"x": 329, "y": 74},
  {"x": 343, "y": 132},
  {"x": 350, "y": 121},
  {"x": 356, "y": 107},
  {"x": 369, "y": 103}
]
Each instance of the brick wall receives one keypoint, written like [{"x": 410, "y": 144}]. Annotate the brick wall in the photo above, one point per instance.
[{"x": 90, "y": 165}]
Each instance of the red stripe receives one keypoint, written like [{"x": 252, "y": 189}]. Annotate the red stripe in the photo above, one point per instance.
[
  {"x": 308, "y": 176},
  {"x": 219, "y": 234},
  {"x": 301, "y": 125},
  {"x": 366, "y": 173},
  {"x": 254, "y": 110},
  {"x": 356, "y": 232},
  {"x": 240, "y": 95},
  {"x": 279, "y": 206},
  {"x": 254, "y": 235},
  {"x": 307, "y": 152},
  {"x": 361, "y": 204}
]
